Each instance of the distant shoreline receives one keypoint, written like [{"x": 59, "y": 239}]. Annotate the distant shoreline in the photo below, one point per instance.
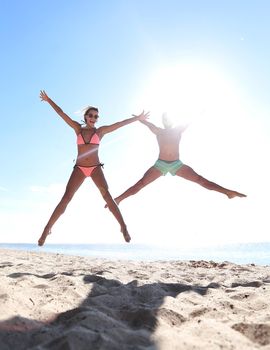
[{"x": 245, "y": 253}]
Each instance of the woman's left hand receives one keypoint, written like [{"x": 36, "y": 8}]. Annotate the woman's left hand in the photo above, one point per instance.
[{"x": 142, "y": 116}]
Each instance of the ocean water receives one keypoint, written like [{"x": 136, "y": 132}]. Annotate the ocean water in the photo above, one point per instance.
[{"x": 246, "y": 253}]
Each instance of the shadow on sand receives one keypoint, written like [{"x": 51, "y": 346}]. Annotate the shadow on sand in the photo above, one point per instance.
[{"x": 114, "y": 316}]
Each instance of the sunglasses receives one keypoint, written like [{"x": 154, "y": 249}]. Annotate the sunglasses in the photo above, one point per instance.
[{"x": 90, "y": 115}]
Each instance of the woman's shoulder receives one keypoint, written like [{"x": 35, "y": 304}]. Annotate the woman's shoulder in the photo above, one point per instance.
[
  {"x": 99, "y": 130},
  {"x": 79, "y": 129}
]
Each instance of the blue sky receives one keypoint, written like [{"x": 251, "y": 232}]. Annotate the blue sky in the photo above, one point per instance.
[{"x": 212, "y": 57}]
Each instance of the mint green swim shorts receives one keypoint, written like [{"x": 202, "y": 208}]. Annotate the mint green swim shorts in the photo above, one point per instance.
[{"x": 168, "y": 167}]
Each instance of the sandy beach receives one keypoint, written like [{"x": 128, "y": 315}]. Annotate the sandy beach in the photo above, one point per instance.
[{"x": 53, "y": 301}]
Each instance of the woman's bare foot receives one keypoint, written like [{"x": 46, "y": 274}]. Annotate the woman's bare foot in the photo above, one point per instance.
[
  {"x": 43, "y": 237},
  {"x": 232, "y": 194},
  {"x": 126, "y": 234}
]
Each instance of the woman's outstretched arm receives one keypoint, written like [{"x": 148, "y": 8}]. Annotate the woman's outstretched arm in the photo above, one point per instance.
[
  {"x": 109, "y": 128},
  {"x": 75, "y": 125}
]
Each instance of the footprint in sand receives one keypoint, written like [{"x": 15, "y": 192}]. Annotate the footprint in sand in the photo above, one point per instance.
[
  {"x": 242, "y": 296},
  {"x": 255, "y": 284},
  {"x": 171, "y": 317},
  {"x": 41, "y": 286},
  {"x": 5, "y": 264},
  {"x": 149, "y": 318},
  {"x": 138, "y": 275},
  {"x": 258, "y": 333},
  {"x": 199, "y": 312},
  {"x": 4, "y": 297}
]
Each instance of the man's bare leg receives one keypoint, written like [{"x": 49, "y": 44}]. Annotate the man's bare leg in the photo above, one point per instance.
[
  {"x": 189, "y": 174},
  {"x": 151, "y": 175},
  {"x": 75, "y": 181},
  {"x": 101, "y": 183}
]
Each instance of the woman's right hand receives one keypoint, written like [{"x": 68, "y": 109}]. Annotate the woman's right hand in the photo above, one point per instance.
[{"x": 43, "y": 96}]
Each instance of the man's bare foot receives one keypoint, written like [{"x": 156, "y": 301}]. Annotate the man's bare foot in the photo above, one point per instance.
[
  {"x": 232, "y": 194},
  {"x": 43, "y": 237},
  {"x": 117, "y": 201},
  {"x": 126, "y": 234}
]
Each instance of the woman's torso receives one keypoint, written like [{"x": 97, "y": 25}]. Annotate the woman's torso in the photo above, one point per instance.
[{"x": 88, "y": 143}]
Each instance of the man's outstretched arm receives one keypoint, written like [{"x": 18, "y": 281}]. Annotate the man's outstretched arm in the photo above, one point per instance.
[{"x": 151, "y": 126}]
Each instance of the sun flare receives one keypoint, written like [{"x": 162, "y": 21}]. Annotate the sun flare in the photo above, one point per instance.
[{"x": 187, "y": 91}]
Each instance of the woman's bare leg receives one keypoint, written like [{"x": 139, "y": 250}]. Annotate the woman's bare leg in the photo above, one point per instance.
[
  {"x": 75, "y": 181},
  {"x": 151, "y": 175},
  {"x": 189, "y": 174},
  {"x": 101, "y": 183}
]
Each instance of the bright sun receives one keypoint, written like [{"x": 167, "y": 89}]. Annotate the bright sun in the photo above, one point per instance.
[{"x": 187, "y": 91}]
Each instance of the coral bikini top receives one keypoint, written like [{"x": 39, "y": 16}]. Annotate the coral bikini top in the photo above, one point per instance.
[{"x": 94, "y": 140}]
